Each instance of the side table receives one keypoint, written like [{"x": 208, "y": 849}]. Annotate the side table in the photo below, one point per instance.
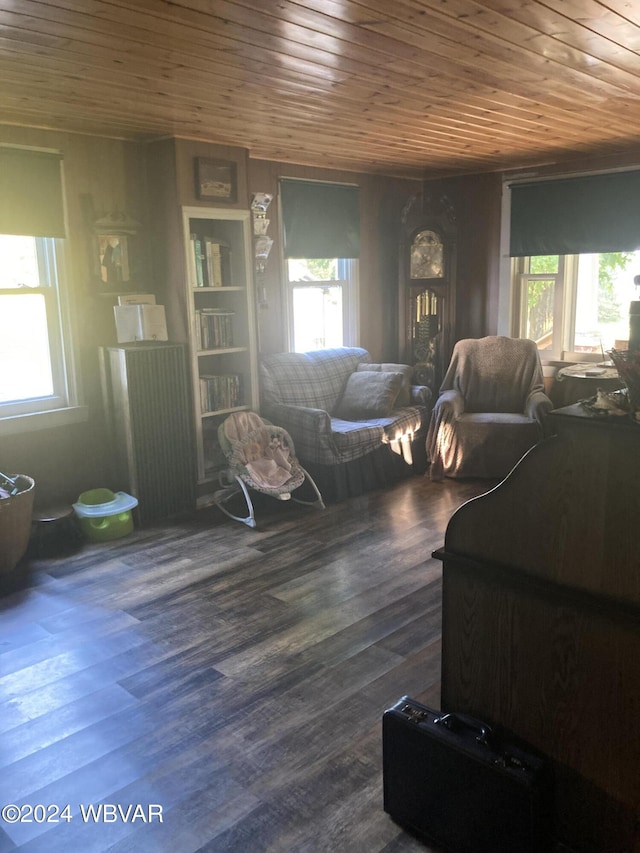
[{"x": 581, "y": 381}]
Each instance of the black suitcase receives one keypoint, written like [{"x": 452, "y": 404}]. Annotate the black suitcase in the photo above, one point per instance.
[{"x": 451, "y": 781}]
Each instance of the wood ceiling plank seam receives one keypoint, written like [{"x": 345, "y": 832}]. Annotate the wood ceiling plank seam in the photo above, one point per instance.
[
  {"x": 561, "y": 145},
  {"x": 303, "y": 17},
  {"x": 204, "y": 64},
  {"x": 144, "y": 47},
  {"x": 379, "y": 141},
  {"x": 366, "y": 144},
  {"x": 353, "y": 135},
  {"x": 452, "y": 166},
  {"x": 625, "y": 9},
  {"x": 403, "y": 83},
  {"x": 597, "y": 16},
  {"x": 240, "y": 33},
  {"x": 538, "y": 119},
  {"x": 537, "y": 64},
  {"x": 492, "y": 142},
  {"x": 410, "y": 143},
  {"x": 366, "y": 165},
  {"x": 519, "y": 33},
  {"x": 632, "y": 55},
  {"x": 25, "y": 116},
  {"x": 567, "y": 32},
  {"x": 428, "y": 128},
  {"x": 389, "y": 102},
  {"x": 464, "y": 84},
  {"x": 534, "y": 119},
  {"x": 142, "y": 76},
  {"x": 144, "y": 84},
  {"x": 228, "y": 6},
  {"x": 570, "y": 94},
  {"x": 449, "y": 167},
  {"x": 503, "y": 65}
]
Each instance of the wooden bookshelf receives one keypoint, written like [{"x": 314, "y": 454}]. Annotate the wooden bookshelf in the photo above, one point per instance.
[{"x": 222, "y": 336}]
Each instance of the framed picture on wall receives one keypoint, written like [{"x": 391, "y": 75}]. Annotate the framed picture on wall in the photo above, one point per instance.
[
  {"x": 113, "y": 252},
  {"x": 216, "y": 180}
]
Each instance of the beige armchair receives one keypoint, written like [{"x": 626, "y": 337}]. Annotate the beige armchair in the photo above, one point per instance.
[{"x": 490, "y": 410}]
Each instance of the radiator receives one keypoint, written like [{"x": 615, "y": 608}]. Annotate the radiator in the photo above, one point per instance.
[{"x": 148, "y": 406}]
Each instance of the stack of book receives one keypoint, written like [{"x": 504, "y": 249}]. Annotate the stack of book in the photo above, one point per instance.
[
  {"x": 209, "y": 262},
  {"x": 215, "y": 328},
  {"x": 220, "y": 392}
]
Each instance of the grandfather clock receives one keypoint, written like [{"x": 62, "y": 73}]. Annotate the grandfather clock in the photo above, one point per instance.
[{"x": 427, "y": 286}]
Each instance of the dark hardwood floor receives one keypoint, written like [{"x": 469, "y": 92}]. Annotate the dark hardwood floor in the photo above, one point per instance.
[{"x": 236, "y": 678}]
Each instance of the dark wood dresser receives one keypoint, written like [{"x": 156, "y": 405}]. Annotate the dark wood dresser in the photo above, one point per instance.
[{"x": 541, "y": 619}]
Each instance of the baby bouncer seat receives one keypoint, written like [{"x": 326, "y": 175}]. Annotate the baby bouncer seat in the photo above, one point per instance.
[{"x": 262, "y": 457}]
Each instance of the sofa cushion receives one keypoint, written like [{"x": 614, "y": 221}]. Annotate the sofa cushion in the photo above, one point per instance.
[
  {"x": 314, "y": 379},
  {"x": 368, "y": 394},
  {"x": 404, "y": 397},
  {"x": 354, "y": 439}
]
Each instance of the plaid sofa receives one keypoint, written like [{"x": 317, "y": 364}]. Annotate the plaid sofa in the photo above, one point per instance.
[{"x": 300, "y": 391}]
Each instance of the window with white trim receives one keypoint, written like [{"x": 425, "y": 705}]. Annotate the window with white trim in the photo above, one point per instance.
[
  {"x": 34, "y": 350},
  {"x": 574, "y": 306},
  {"x": 321, "y": 244},
  {"x": 322, "y": 297}
]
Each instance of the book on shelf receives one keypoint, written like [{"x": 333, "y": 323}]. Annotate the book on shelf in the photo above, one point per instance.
[
  {"x": 209, "y": 261},
  {"x": 191, "y": 260},
  {"x": 197, "y": 261},
  {"x": 213, "y": 252},
  {"x": 220, "y": 391},
  {"x": 214, "y": 328}
]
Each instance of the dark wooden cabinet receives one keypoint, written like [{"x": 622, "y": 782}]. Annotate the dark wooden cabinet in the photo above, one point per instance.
[
  {"x": 541, "y": 619},
  {"x": 427, "y": 286}
]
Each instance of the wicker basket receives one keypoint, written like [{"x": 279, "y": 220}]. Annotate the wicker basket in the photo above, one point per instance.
[
  {"x": 627, "y": 363},
  {"x": 15, "y": 524}
]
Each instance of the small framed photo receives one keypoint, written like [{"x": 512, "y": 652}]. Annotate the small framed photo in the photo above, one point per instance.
[
  {"x": 113, "y": 252},
  {"x": 216, "y": 180}
]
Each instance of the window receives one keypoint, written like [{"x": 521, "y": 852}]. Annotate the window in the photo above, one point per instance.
[
  {"x": 322, "y": 303},
  {"x": 573, "y": 305},
  {"x": 35, "y": 356},
  {"x": 321, "y": 220},
  {"x": 33, "y": 377}
]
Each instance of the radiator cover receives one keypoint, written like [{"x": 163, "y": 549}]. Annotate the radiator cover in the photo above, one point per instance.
[{"x": 149, "y": 412}]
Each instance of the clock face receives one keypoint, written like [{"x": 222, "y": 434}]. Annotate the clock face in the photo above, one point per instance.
[{"x": 427, "y": 256}]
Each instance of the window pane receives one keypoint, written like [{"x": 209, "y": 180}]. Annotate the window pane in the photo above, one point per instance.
[
  {"x": 19, "y": 262},
  {"x": 544, "y": 264},
  {"x": 604, "y": 289},
  {"x": 317, "y": 317},
  {"x": 313, "y": 269},
  {"x": 539, "y": 312},
  {"x": 25, "y": 365}
]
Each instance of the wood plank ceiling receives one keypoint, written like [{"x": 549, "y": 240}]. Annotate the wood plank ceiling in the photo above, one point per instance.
[{"x": 401, "y": 87}]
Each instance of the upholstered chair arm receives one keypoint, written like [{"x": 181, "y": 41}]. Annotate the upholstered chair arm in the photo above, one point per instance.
[
  {"x": 421, "y": 395},
  {"x": 537, "y": 406},
  {"x": 450, "y": 404},
  {"x": 309, "y": 428}
]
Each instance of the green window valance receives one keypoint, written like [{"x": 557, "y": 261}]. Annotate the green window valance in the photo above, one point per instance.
[
  {"x": 31, "y": 193},
  {"x": 569, "y": 216},
  {"x": 320, "y": 220}
]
